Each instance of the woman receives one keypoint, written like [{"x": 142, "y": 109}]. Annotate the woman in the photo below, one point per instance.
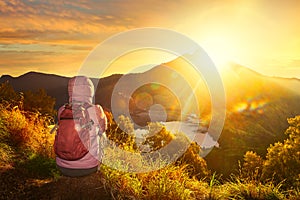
[{"x": 81, "y": 91}]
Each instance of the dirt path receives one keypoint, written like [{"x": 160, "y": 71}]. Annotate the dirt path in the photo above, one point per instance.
[{"x": 15, "y": 184}]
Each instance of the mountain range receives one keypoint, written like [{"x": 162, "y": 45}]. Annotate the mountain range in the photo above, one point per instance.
[{"x": 257, "y": 106}]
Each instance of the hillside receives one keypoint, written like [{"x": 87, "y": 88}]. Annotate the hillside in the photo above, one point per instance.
[
  {"x": 257, "y": 106},
  {"x": 28, "y": 169},
  {"x": 257, "y": 109}
]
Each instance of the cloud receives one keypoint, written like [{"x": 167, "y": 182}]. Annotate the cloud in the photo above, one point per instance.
[
  {"x": 74, "y": 20},
  {"x": 53, "y": 21},
  {"x": 35, "y": 20}
]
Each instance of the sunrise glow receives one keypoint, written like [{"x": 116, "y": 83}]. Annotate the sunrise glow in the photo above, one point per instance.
[{"x": 56, "y": 37}]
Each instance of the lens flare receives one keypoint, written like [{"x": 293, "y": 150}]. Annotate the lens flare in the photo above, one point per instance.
[{"x": 251, "y": 105}]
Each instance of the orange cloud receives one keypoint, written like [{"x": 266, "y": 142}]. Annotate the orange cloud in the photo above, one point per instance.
[
  {"x": 54, "y": 21},
  {"x": 41, "y": 20}
]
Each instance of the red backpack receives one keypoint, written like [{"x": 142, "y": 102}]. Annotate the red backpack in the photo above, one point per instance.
[{"x": 72, "y": 140}]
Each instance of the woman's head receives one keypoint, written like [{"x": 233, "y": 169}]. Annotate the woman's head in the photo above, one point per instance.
[{"x": 81, "y": 88}]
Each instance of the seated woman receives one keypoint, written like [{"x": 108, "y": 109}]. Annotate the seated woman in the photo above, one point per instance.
[{"x": 81, "y": 93}]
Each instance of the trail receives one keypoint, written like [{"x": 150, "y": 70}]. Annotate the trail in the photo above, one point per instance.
[{"x": 17, "y": 184}]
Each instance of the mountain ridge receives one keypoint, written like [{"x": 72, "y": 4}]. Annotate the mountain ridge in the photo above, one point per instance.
[
  {"x": 257, "y": 106},
  {"x": 232, "y": 65}
]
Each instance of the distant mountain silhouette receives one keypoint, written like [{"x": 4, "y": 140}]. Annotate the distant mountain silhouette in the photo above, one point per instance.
[{"x": 57, "y": 86}]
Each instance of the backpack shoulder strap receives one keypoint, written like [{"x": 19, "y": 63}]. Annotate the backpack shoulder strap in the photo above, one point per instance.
[
  {"x": 60, "y": 110},
  {"x": 87, "y": 105},
  {"x": 90, "y": 122}
]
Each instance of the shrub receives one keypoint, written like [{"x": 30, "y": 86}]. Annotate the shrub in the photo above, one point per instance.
[
  {"x": 283, "y": 159},
  {"x": 252, "y": 166},
  {"x": 121, "y": 134},
  {"x": 282, "y": 162},
  {"x": 8, "y": 94},
  {"x": 158, "y": 136},
  {"x": 23, "y": 130},
  {"x": 37, "y": 102},
  {"x": 196, "y": 165},
  {"x": 6, "y": 153}
]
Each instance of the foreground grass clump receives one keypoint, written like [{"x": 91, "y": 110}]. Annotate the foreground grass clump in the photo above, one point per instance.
[
  {"x": 132, "y": 176},
  {"x": 240, "y": 189},
  {"x": 26, "y": 130},
  {"x": 172, "y": 182},
  {"x": 25, "y": 141}
]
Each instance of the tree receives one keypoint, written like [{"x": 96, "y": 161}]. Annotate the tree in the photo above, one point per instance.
[
  {"x": 39, "y": 102},
  {"x": 8, "y": 94},
  {"x": 283, "y": 159},
  {"x": 252, "y": 166},
  {"x": 195, "y": 164},
  {"x": 122, "y": 133},
  {"x": 158, "y": 136}
]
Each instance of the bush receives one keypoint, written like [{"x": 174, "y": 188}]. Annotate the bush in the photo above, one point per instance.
[
  {"x": 23, "y": 130},
  {"x": 131, "y": 174},
  {"x": 37, "y": 102},
  {"x": 121, "y": 134},
  {"x": 157, "y": 136},
  {"x": 282, "y": 163},
  {"x": 252, "y": 166},
  {"x": 8, "y": 94},
  {"x": 6, "y": 153},
  {"x": 196, "y": 165},
  {"x": 283, "y": 159}
]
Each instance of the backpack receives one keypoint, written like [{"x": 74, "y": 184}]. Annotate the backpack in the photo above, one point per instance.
[{"x": 72, "y": 139}]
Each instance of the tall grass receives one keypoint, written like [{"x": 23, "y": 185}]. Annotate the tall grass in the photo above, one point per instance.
[
  {"x": 26, "y": 130},
  {"x": 238, "y": 188},
  {"x": 128, "y": 174},
  {"x": 174, "y": 182},
  {"x": 167, "y": 183},
  {"x": 25, "y": 141},
  {"x": 27, "y": 134}
]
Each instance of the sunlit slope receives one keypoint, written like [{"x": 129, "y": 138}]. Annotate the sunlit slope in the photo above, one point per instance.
[{"x": 257, "y": 112}]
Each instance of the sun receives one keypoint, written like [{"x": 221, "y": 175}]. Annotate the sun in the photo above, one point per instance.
[{"x": 220, "y": 49}]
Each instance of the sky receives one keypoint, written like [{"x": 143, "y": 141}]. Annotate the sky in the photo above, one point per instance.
[{"x": 57, "y": 36}]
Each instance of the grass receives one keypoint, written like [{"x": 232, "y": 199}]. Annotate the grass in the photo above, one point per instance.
[
  {"x": 240, "y": 189},
  {"x": 162, "y": 185},
  {"x": 128, "y": 176},
  {"x": 25, "y": 144},
  {"x": 39, "y": 166},
  {"x": 174, "y": 182},
  {"x": 167, "y": 183}
]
